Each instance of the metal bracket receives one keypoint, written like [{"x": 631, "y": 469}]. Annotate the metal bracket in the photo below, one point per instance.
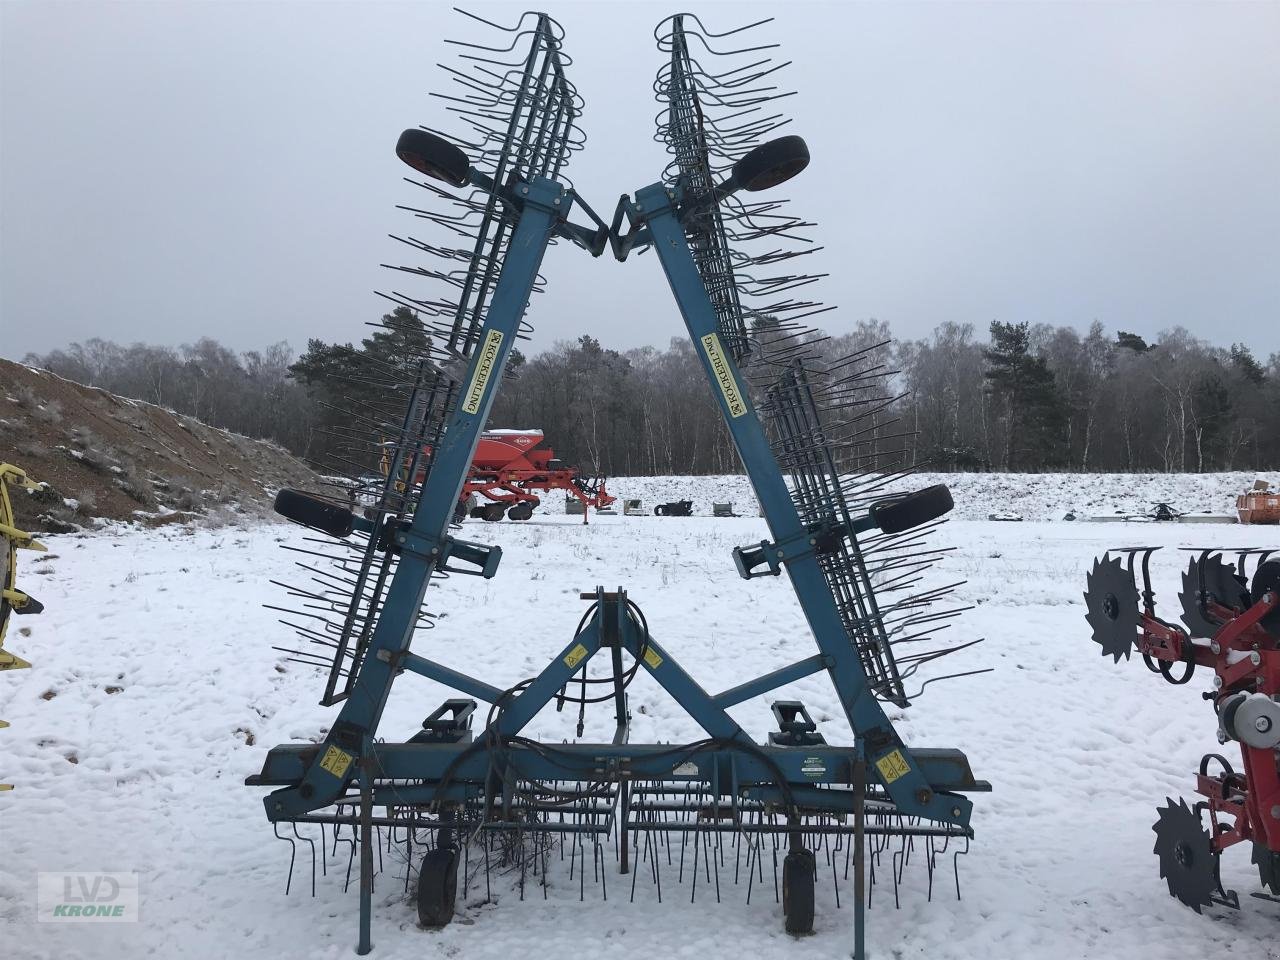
[
  {"x": 454, "y": 728},
  {"x": 484, "y": 558},
  {"x": 795, "y": 727},
  {"x": 773, "y": 554}
]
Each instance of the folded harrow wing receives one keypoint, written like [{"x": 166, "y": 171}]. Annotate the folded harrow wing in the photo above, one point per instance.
[
  {"x": 459, "y": 797},
  {"x": 1231, "y": 613}
]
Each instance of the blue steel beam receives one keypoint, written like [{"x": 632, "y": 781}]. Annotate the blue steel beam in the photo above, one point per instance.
[
  {"x": 889, "y": 759},
  {"x": 770, "y": 681},
  {"x": 543, "y": 204},
  {"x": 450, "y": 677},
  {"x": 466, "y": 763}
]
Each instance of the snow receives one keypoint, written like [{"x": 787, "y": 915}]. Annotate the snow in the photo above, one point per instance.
[
  {"x": 156, "y": 690},
  {"x": 1038, "y": 496}
]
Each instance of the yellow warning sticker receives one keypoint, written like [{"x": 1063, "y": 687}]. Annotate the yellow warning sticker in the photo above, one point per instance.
[
  {"x": 724, "y": 375},
  {"x": 652, "y": 658},
  {"x": 892, "y": 766},
  {"x": 336, "y": 761},
  {"x": 574, "y": 656},
  {"x": 484, "y": 370}
]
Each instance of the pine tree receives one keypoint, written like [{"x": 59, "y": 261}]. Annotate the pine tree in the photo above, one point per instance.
[{"x": 1033, "y": 414}]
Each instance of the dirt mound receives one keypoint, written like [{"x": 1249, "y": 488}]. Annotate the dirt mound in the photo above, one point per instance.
[{"x": 108, "y": 457}]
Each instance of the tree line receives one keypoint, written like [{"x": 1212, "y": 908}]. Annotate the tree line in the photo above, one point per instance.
[{"x": 1024, "y": 398}]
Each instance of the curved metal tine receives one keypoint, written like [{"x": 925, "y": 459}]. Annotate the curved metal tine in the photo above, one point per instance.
[
  {"x": 292, "y": 853},
  {"x": 313, "y": 856},
  {"x": 702, "y": 33},
  {"x": 536, "y": 32},
  {"x": 955, "y": 863}
]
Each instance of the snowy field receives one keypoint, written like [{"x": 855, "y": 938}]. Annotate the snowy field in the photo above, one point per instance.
[{"x": 156, "y": 691}]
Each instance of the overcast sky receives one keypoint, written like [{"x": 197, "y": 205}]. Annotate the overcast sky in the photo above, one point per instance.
[{"x": 176, "y": 170}]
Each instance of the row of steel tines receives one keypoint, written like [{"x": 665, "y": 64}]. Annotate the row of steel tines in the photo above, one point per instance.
[{"x": 681, "y": 845}]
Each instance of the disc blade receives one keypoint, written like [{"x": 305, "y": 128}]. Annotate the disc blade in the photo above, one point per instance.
[
  {"x": 1221, "y": 585},
  {"x": 1111, "y": 599},
  {"x": 1187, "y": 860}
]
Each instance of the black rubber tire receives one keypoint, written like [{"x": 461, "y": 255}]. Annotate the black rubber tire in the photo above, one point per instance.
[
  {"x": 771, "y": 163},
  {"x": 433, "y": 156},
  {"x": 315, "y": 513},
  {"x": 798, "y": 872},
  {"x": 493, "y": 512},
  {"x": 1267, "y": 578},
  {"x": 895, "y": 516},
  {"x": 438, "y": 887},
  {"x": 659, "y": 511},
  {"x": 477, "y": 513}
]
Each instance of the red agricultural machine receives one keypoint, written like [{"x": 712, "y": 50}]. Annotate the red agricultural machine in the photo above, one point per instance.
[
  {"x": 507, "y": 469},
  {"x": 1232, "y": 627}
]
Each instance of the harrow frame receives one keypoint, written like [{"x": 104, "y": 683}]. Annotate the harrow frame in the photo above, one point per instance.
[{"x": 446, "y": 779}]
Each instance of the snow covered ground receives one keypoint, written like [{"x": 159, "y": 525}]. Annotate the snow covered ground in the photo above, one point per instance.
[{"x": 156, "y": 691}]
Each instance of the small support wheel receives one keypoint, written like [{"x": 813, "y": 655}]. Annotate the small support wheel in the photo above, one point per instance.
[
  {"x": 494, "y": 512},
  {"x": 913, "y": 510},
  {"x": 798, "y": 872},
  {"x": 771, "y": 163},
  {"x": 434, "y": 156},
  {"x": 438, "y": 887}
]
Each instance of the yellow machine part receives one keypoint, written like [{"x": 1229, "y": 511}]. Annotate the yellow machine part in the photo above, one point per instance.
[{"x": 12, "y": 600}]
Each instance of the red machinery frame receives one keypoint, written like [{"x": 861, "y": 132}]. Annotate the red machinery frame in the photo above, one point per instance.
[
  {"x": 507, "y": 469},
  {"x": 1245, "y": 658}
]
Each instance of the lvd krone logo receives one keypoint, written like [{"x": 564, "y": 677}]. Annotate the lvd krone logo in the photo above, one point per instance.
[{"x": 83, "y": 896}]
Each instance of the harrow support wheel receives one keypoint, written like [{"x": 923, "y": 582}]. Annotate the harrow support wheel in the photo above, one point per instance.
[
  {"x": 433, "y": 156},
  {"x": 438, "y": 887},
  {"x": 771, "y": 163},
  {"x": 493, "y": 512},
  {"x": 913, "y": 510},
  {"x": 798, "y": 872},
  {"x": 314, "y": 512}
]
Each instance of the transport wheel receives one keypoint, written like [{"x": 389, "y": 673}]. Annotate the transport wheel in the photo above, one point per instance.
[
  {"x": 771, "y": 163},
  {"x": 438, "y": 887},
  {"x": 434, "y": 156},
  {"x": 521, "y": 511},
  {"x": 798, "y": 870},
  {"x": 658, "y": 511},
  {"x": 494, "y": 511}
]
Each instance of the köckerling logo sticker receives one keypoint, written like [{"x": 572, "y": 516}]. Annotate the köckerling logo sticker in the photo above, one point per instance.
[
  {"x": 87, "y": 897},
  {"x": 484, "y": 370},
  {"x": 724, "y": 376}
]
